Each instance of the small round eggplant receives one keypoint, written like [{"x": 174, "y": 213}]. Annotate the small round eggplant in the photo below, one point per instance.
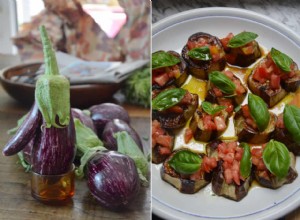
[
  {"x": 86, "y": 120},
  {"x": 247, "y": 134},
  {"x": 178, "y": 79},
  {"x": 183, "y": 184},
  {"x": 170, "y": 120},
  {"x": 105, "y": 112},
  {"x": 112, "y": 179},
  {"x": 201, "y": 69},
  {"x": 115, "y": 126}
]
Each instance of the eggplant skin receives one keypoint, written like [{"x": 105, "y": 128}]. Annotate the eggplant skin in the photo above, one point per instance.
[
  {"x": 25, "y": 133},
  {"x": 230, "y": 191},
  {"x": 247, "y": 134},
  {"x": 282, "y": 135},
  {"x": 176, "y": 120},
  {"x": 112, "y": 179},
  {"x": 273, "y": 182},
  {"x": 201, "y": 69},
  {"x": 184, "y": 185},
  {"x": 180, "y": 80},
  {"x": 54, "y": 150}
]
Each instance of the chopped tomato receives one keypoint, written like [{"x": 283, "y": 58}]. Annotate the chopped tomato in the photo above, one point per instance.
[
  {"x": 220, "y": 123},
  {"x": 161, "y": 79},
  {"x": 173, "y": 72},
  {"x": 208, "y": 164},
  {"x": 217, "y": 91},
  {"x": 226, "y": 40},
  {"x": 248, "y": 49},
  {"x": 164, "y": 150},
  {"x": 165, "y": 140},
  {"x": 251, "y": 123},
  {"x": 187, "y": 99},
  {"x": 229, "y": 74},
  {"x": 239, "y": 87},
  {"x": 208, "y": 123},
  {"x": 246, "y": 111},
  {"x": 228, "y": 176},
  {"x": 260, "y": 75},
  {"x": 280, "y": 122},
  {"x": 275, "y": 82},
  {"x": 175, "y": 109},
  {"x": 188, "y": 135}
]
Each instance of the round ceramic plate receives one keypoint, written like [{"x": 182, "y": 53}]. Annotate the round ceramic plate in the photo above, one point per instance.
[{"x": 260, "y": 203}]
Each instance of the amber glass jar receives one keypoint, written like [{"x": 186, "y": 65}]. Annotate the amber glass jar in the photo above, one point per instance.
[{"x": 53, "y": 189}]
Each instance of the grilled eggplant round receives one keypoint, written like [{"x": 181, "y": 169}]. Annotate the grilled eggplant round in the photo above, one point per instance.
[
  {"x": 201, "y": 68},
  {"x": 183, "y": 183},
  {"x": 167, "y": 76}
]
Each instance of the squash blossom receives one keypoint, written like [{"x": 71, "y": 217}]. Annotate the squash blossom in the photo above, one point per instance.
[{"x": 52, "y": 92}]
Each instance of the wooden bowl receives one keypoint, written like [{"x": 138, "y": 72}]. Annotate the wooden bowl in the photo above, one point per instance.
[{"x": 84, "y": 95}]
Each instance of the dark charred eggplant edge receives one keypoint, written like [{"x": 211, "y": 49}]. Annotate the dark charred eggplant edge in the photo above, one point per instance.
[
  {"x": 184, "y": 185},
  {"x": 176, "y": 120},
  {"x": 202, "y": 69},
  {"x": 219, "y": 186},
  {"x": 202, "y": 134},
  {"x": 247, "y": 134},
  {"x": 180, "y": 80}
]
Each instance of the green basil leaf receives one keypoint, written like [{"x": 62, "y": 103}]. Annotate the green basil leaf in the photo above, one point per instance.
[
  {"x": 185, "y": 162},
  {"x": 212, "y": 109},
  {"x": 200, "y": 53},
  {"x": 281, "y": 60},
  {"x": 222, "y": 81},
  {"x": 245, "y": 164},
  {"x": 291, "y": 119},
  {"x": 259, "y": 111},
  {"x": 163, "y": 59},
  {"x": 277, "y": 158},
  {"x": 242, "y": 39},
  {"x": 167, "y": 99}
]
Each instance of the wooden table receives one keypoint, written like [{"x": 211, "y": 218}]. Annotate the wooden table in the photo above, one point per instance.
[{"x": 15, "y": 196}]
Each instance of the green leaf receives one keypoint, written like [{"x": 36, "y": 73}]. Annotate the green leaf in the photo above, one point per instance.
[
  {"x": 168, "y": 98},
  {"x": 127, "y": 146},
  {"x": 52, "y": 92},
  {"x": 242, "y": 39},
  {"x": 281, "y": 60},
  {"x": 163, "y": 59},
  {"x": 291, "y": 119},
  {"x": 185, "y": 162},
  {"x": 276, "y": 158},
  {"x": 200, "y": 53},
  {"x": 259, "y": 111},
  {"x": 245, "y": 164},
  {"x": 212, "y": 109},
  {"x": 222, "y": 81}
]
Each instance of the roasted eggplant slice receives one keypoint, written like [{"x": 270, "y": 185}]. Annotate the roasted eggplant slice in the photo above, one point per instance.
[
  {"x": 271, "y": 83},
  {"x": 169, "y": 75},
  {"x": 231, "y": 191},
  {"x": 215, "y": 94},
  {"x": 209, "y": 60},
  {"x": 243, "y": 55},
  {"x": 264, "y": 177},
  {"x": 183, "y": 182},
  {"x": 207, "y": 126},
  {"x": 248, "y": 132},
  {"x": 226, "y": 179},
  {"x": 162, "y": 143},
  {"x": 177, "y": 115}
]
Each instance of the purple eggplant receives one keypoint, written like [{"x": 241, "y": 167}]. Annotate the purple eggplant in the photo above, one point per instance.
[
  {"x": 103, "y": 113},
  {"x": 54, "y": 150},
  {"x": 85, "y": 119},
  {"x": 25, "y": 132},
  {"x": 115, "y": 126},
  {"x": 112, "y": 179}
]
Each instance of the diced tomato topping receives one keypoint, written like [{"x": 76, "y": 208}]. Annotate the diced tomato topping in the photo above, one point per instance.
[
  {"x": 187, "y": 99},
  {"x": 280, "y": 122},
  {"x": 246, "y": 111},
  {"x": 239, "y": 87},
  {"x": 248, "y": 49},
  {"x": 164, "y": 140},
  {"x": 220, "y": 123},
  {"x": 248, "y": 118},
  {"x": 229, "y": 74},
  {"x": 208, "y": 164},
  {"x": 161, "y": 79},
  {"x": 251, "y": 123},
  {"x": 160, "y": 136},
  {"x": 217, "y": 91},
  {"x": 173, "y": 72},
  {"x": 164, "y": 150},
  {"x": 257, "y": 159},
  {"x": 175, "y": 109},
  {"x": 201, "y": 42},
  {"x": 225, "y": 40},
  {"x": 188, "y": 135},
  {"x": 275, "y": 81},
  {"x": 209, "y": 123}
]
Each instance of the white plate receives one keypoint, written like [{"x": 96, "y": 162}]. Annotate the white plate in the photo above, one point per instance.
[{"x": 260, "y": 203}]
